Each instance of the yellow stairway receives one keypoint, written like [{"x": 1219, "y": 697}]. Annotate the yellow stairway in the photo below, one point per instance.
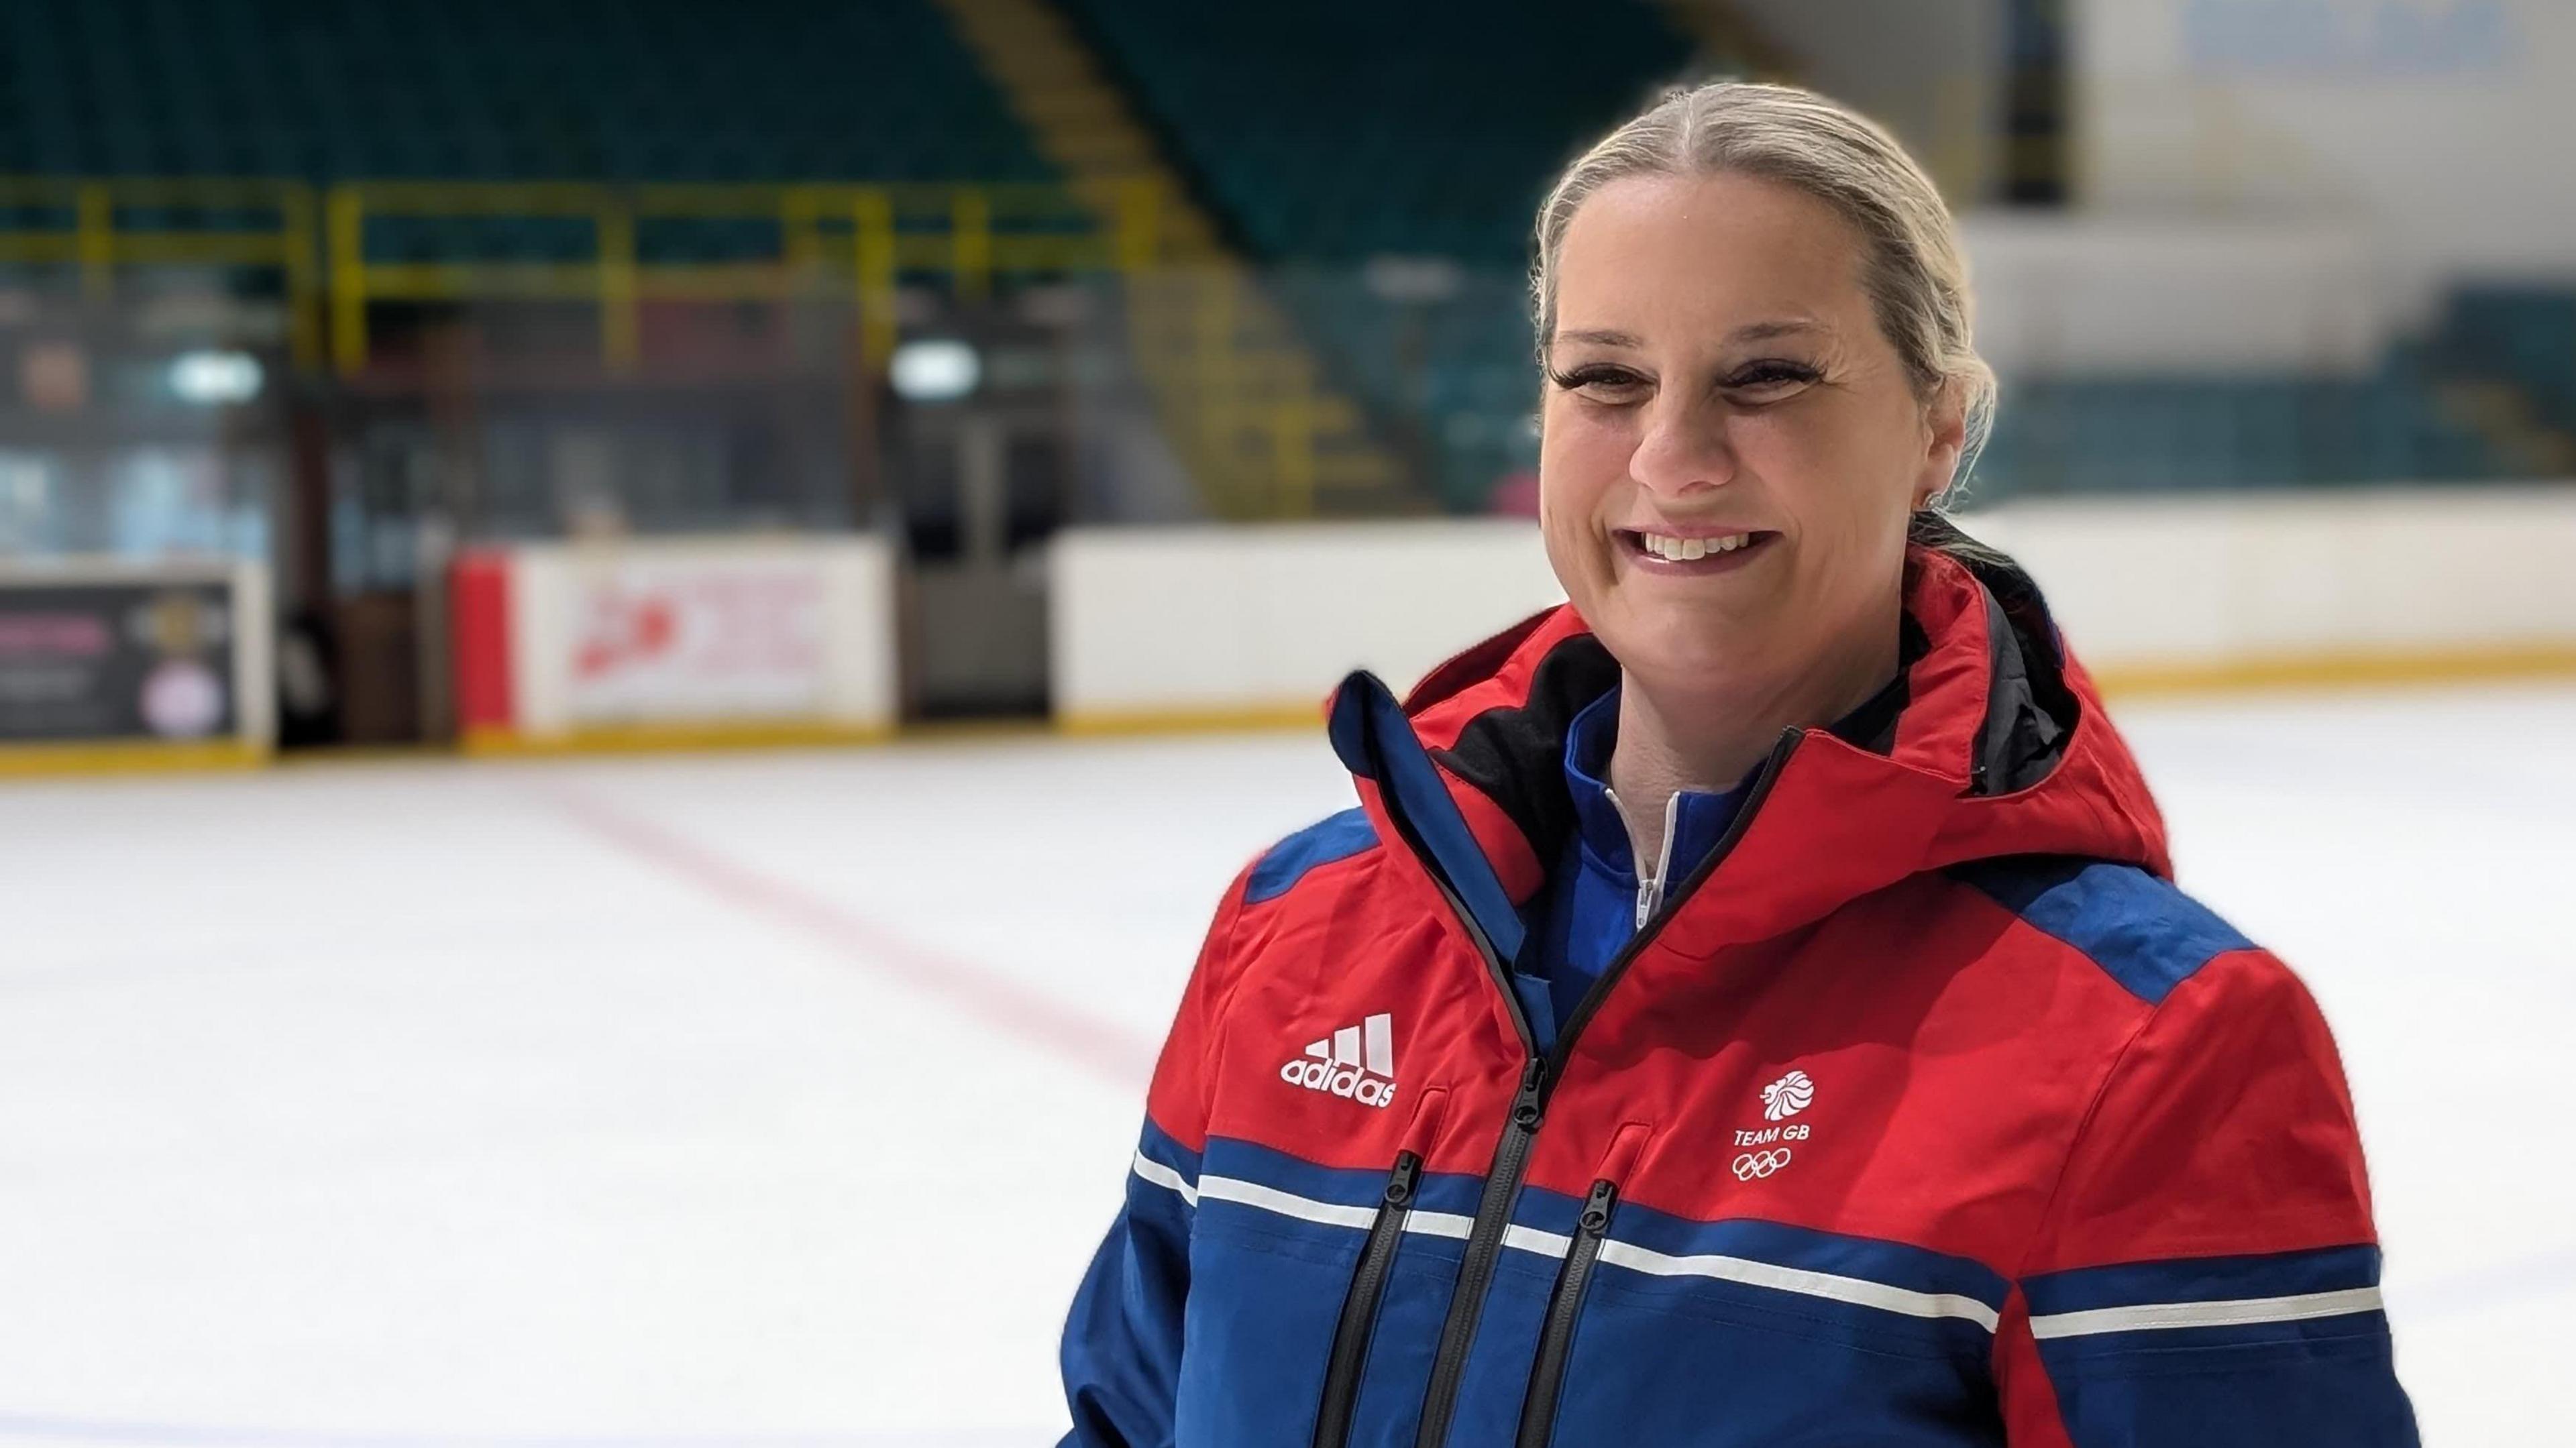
[
  {"x": 2511, "y": 423},
  {"x": 1240, "y": 395}
]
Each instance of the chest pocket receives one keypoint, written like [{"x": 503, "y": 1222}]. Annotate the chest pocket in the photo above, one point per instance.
[
  {"x": 1290, "y": 1265},
  {"x": 1573, "y": 1282},
  {"x": 1748, "y": 1333}
]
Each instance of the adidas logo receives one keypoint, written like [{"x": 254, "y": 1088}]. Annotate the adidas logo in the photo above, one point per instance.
[{"x": 1355, "y": 1061}]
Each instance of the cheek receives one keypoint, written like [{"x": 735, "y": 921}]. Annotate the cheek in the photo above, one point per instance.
[
  {"x": 1841, "y": 476},
  {"x": 1582, "y": 460},
  {"x": 1582, "y": 463}
]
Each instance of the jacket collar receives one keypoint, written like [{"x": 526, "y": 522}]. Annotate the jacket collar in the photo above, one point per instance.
[{"x": 2001, "y": 748}]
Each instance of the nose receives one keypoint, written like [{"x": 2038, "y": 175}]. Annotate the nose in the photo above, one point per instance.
[{"x": 1683, "y": 448}]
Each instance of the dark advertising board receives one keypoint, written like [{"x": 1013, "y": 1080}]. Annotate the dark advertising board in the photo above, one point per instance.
[{"x": 145, "y": 659}]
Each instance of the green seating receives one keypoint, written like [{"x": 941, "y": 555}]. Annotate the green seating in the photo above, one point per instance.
[
  {"x": 608, "y": 90},
  {"x": 1332, "y": 130}
]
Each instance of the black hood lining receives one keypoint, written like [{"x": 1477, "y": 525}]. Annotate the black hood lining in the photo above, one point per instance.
[
  {"x": 1515, "y": 753},
  {"x": 2030, "y": 712}
]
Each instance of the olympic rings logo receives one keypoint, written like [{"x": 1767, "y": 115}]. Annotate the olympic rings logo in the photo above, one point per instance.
[{"x": 1757, "y": 1164}]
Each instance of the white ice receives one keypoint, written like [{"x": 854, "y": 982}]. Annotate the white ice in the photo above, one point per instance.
[{"x": 780, "y": 1099}]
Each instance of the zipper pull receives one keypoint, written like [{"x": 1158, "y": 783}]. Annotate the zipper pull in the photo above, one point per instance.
[
  {"x": 1596, "y": 1207},
  {"x": 1408, "y": 1173},
  {"x": 1526, "y": 1108},
  {"x": 1650, "y": 888}
]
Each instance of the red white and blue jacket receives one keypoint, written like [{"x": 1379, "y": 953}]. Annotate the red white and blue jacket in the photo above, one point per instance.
[{"x": 1927, "y": 1111}]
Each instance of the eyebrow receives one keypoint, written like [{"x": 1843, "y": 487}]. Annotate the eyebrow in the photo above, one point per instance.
[
  {"x": 1606, "y": 339},
  {"x": 1786, "y": 327},
  {"x": 1750, "y": 332}
]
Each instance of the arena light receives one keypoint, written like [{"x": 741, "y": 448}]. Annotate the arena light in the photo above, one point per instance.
[
  {"x": 935, "y": 370},
  {"x": 213, "y": 379}
]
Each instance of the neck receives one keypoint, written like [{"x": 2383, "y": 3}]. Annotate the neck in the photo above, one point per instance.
[{"x": 1704, "y": 735}]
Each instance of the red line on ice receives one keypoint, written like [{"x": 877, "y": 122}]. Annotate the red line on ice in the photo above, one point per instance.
[{"x": 1105, "y": 1048}]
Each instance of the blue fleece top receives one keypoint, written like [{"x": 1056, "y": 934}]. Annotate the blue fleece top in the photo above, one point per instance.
[{"x": 1589, "y": 907}]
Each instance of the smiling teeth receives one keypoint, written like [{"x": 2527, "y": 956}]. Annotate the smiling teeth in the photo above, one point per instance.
[{"x": 1684, "y": 550}]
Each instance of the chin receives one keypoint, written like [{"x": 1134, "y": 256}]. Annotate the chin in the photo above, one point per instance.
[{"x": 1681, "y": 643}]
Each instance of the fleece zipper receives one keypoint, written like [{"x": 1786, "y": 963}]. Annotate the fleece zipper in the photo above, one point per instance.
[{"x": 1650, "y": 887}]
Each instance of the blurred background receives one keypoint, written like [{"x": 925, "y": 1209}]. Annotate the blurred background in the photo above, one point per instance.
[{"x": 426, "y": 429}]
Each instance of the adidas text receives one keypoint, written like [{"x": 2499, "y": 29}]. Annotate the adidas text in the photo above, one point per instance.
[
  {"x": 1355, "y": 1062},
  {"x": 1347, "y": 1081}
]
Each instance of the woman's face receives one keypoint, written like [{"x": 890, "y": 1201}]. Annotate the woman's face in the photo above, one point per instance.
[{"x": 1731, "y": 447}]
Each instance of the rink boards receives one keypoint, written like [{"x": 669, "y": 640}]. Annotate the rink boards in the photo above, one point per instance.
[{"x": 2157, "y": 594}]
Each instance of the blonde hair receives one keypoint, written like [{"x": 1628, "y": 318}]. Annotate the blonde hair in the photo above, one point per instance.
[{"x": 1912, "y": 267}]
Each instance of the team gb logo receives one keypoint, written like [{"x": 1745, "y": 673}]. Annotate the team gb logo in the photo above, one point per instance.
[{"x": 1787, "y": 1096}]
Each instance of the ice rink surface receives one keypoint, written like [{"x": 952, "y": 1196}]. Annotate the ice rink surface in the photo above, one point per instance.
[{"x": 779, "y": 1099}]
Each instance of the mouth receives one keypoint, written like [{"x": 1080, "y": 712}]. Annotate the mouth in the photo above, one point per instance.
[{"x": 1694, "y": 554}]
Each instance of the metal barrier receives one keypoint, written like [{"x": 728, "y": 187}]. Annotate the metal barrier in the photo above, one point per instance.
[
  {"x": 835, "y": 239},
  {"x": 849, "y": 240},
  {"x": 98, "y": 244},
  {"x": 1240, "y": 392}
]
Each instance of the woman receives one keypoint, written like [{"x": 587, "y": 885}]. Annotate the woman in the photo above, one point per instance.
[{"x": 1750, "y": 1005}]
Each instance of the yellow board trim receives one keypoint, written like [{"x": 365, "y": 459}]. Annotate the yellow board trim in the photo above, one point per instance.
[
  {"x": 639, "y": 738},
  {"x": 1306, "y": 714},
  {"x": 2341, "y": 670},
  {"x": 128, "y": 756}
]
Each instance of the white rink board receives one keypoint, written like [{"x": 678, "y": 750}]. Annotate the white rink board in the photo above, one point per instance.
[
  {"x": 2207, "y": 582},
  {"x": 1215, "y": 621},
  {"x": 1245, "y": 619}
]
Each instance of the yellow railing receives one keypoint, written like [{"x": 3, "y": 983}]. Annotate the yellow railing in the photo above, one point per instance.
[
  {"x": 835, "y": 239},
  {"x": 1249, "y": 410},
  {"x": 849, "y": 240},
  {"x": 97, "y": 244}
]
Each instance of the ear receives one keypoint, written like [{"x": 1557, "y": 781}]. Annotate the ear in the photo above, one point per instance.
[{"x": 1945, "y": 425}]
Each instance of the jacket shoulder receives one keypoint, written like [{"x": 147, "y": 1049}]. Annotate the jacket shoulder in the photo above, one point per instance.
[
  {"x": 1285, "y": 865},
  {"x": 2138, "y": 928}
]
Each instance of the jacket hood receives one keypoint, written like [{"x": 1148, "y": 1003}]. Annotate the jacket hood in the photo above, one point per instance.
[{"x": 2001, "y": 747}]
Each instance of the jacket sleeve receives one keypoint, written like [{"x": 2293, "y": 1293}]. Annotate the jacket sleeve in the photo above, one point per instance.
[
  {"x": 1122, "y": 1342},
  {"x": 2206, "y": 1274}
]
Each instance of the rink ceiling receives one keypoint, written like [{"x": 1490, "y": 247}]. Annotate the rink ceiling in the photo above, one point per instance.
[{"x": 782, "y": 1096}]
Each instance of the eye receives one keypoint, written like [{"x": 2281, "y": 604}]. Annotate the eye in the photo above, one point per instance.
[
  {"x": 1603, "y": 383},
  {"x": 1771, "y": 379}
]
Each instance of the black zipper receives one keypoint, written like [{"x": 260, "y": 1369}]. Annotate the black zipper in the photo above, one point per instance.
[
  {"x": 1564, "y": 1306},
  {"x": 1359, "y": 1305},
  {"x": 1484, "y": 1249},
  {"x": 1529, "y": 1106}
]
